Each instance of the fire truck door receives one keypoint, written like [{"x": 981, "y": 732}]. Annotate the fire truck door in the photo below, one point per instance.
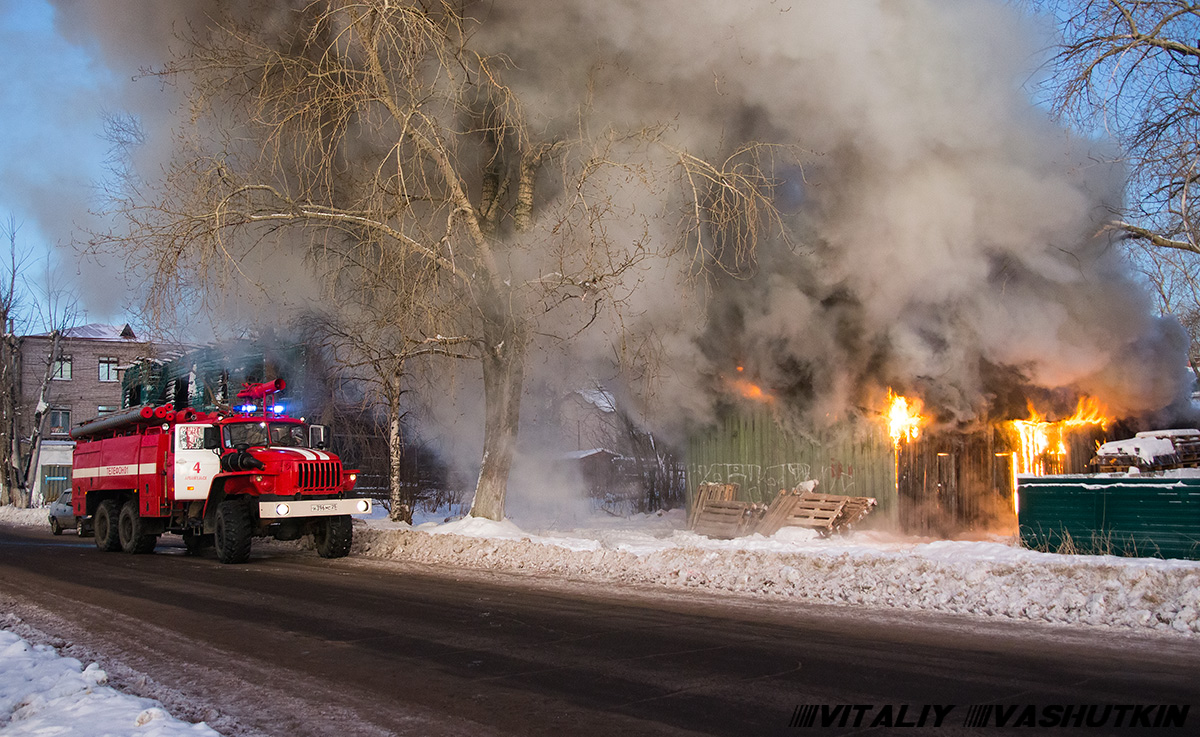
[{"x": 195, "y": 466}]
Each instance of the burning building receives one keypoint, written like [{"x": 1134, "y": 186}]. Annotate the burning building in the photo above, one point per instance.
[{"x": 929, "y": 478}]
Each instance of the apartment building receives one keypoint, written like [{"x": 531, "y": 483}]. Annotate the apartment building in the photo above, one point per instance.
[{"x": 85, "y": 383}]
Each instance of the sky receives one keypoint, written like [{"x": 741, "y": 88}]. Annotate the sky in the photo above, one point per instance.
[{"x": 52, "y": 105}]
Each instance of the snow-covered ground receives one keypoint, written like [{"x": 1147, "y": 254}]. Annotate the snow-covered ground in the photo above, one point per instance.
[
  {"x": 43, "y": 694},
  {"x": 994, "y": 577}
]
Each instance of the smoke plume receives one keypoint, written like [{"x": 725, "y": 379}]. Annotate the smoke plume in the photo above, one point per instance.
[
  {"x": 946, "y": 237},
  {"x": 945, "y": 232}
]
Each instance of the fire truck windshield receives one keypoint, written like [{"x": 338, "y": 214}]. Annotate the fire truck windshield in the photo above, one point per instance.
[{"x": 285, "y": 434}]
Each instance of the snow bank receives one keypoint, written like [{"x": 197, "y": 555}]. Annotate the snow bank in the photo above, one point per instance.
[
  {"x": 25, "y": 517},
  {"x": 44, "y": 694},
  {"x": 993, "y": 578}
]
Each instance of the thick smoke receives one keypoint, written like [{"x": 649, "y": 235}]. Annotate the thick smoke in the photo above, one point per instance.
[
  {"x": 946, "y": 233},
  {"x": 135, "y": 39},
  {"x": 946, "y": 237}
]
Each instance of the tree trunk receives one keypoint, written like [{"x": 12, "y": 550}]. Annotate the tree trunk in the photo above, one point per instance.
[
  {"x": 27, "y": 463},
  {"x": 503, "y": 379},
  {"x": 401, "y": 503},
  {"x": 9, "y": 350}
]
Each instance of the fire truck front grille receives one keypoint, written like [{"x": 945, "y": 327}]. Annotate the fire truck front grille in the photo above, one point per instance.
[{"x": 319, "y": 475}]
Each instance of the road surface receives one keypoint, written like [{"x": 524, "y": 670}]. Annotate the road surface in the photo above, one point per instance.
[{"x": 293, "y": 645}]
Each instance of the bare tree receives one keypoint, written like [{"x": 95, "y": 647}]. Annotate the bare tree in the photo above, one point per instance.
[
  {"x": 370, "y": 140},
  {"x": 1131, "y": 68},
  {"x": 22, "y": 304},
  {"x": 1174, "y": 277},
  {"x": 10, "y": 351},
  {"x": 367, "y": 346}
]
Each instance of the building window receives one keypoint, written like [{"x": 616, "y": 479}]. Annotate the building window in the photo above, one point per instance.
[
  {"x": 62, "y": 369},
  {"x": 108, "y": 369},
  {"x": 106, "y": 409},
  {"x": 60, "y": 421}
]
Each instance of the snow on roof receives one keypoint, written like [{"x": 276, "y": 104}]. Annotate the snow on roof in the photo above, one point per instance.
[
  {"x": 599, "y": 398},
  {"x": 1167, "y": 433},
  {"x": 1146, "y": 445},
  {"x": 576, "y": 455},
  {"x": 100, "y": 331},
  {"x": 1145, "y": 448}
]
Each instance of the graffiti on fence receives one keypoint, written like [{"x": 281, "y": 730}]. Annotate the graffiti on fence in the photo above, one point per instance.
[{"x": 762, "y": 482}]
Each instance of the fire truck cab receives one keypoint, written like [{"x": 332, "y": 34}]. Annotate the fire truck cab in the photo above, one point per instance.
[{"x": 215, "y": 479}]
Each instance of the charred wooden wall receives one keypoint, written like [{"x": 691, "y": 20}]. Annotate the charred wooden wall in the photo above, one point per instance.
[{"x": 953, "y": 481}]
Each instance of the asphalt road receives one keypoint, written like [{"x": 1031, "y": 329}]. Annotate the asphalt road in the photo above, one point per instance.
[{"x": 293, "y": 645}]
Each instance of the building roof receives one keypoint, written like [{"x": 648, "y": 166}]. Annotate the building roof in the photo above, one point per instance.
[
  {"x": 98, "y": 331},
  {"x": 601, "y": 399}
]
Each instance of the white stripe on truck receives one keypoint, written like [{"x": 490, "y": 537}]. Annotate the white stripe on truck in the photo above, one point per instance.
[{"x": 128, "y": 469}]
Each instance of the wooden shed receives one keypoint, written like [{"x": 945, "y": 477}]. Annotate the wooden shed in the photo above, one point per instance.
[{"x": 943, "y": 482}]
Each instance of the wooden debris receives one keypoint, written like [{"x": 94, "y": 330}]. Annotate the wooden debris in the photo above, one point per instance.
[
  {"x": 825, "y": 513},
  {"x": 717, "y": 513},
  {"x": 779, "y": 510},
  {"x": 856, "y": 508}
]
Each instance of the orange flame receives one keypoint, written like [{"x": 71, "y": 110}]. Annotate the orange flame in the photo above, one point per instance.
[
  {"x": 1043, "y": 444},
  {"x": 904, "y": 418},
  {"x": 750, "y": 390}
]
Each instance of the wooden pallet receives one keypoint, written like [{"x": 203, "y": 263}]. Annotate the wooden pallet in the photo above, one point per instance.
[
  {"x": 816, "y": 511},
  {"x": 717, "y": 513},
  {"x": 856, "y": 508},
  {"x": 803, "y": 507},
  {"x": 726, "y": 519},
  {"x": 781, "y": 507},
  {"x": 708, "y": 492}
]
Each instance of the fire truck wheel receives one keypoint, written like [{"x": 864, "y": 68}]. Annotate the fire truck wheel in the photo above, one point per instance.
[
  {"x": 131, "y": 531},
  {"x": 105, "y": 526},
  {"x": 233, "y": 531},
  {"x": 332, "y": 536}
]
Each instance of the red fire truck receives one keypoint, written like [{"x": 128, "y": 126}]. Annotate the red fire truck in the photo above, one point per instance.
[{"x": 215, "y": 478}]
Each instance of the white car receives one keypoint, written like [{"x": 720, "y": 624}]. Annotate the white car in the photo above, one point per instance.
[{"x": 62, "y": 515}]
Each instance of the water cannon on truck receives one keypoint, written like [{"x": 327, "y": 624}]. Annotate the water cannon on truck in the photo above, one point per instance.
[{"x": 215, "y": 478}]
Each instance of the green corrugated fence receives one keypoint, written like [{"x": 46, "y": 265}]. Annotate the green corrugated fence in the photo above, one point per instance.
[
  {"x": 1128, "y": 515},
  {"x": 751, "y": 449}
]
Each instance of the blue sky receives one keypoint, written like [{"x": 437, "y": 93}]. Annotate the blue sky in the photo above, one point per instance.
[{"x": 52, "y": 150}]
